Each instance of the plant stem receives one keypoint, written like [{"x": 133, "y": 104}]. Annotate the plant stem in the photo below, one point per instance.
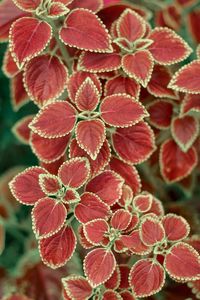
[{"x": 61, "y": 46}]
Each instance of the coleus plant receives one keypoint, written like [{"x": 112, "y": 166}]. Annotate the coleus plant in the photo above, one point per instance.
[{"x": 102, "y": 81}]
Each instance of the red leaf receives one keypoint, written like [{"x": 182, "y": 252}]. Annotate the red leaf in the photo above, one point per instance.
[
  {"x": 100, "y": 62},
  {"x": 176, "y": 227},
  {"x": 83, "y": 240},
  {"x": 182, "y": 263},
  {"x": 107, "y": 185},
  {"x": 128, "y": 173},
  {"x": 74, "y": 172},
  {"x": 77, "y": 79},
  {"x": 84, "y": 30},
  {"x": 77, "y": 287},
  {"x": 134, "y": 243},
  {"x": 95, "y": 230},
  {"x": 54, "y": 166},
  {"x": 48, "y": 150},
  {"x": 25, "y": 186},
  {"x": 45, "y": 79},
  {"x": 58, "y": 249},
  {"x": 126, "y": 295},
  {"x": 18, "y": 93},
  {"x": 90, "y": 208},
  {"x": 71, "y": 196},
  {"x": 122, "y": 85},
  {"x": 156, "y": 207},
  {"x": 49, "y": 184},
  {"x": 121, "y": 110},
  {"x": 27, "y": 5},
  {"x": 9, "y": 12},
  {"x": 90, "y": 135},
  {"x": 130, "y": 26},
  {"x": 48, "y": 217},
  {"x": 142, "y": 202},
  {"x": 161, "y": 112},
  {"x": 190, "y": 103},
  {"x": 114, "y": 281},
  {"x": 158, "y": 84},
  {"x": 111, "y": 295},
  {"x": 120, "y": 219},
  {"x": 185, "y": 131},
  {"x": 174, "y": 163},
  {"x": 134, "y": 144},
  {"x": 187, "y": 78},
  {"x": 139, "y": 66},
  {"x": 124, "y": 272},
  {"x": 21, "y": 129},
  {"x": 59, "y": 113},
  {"x": 151, "y": 231},
  {"x": 126, "y": 197},
  {"x": 96, "y": 165},
  {"x": 87, "y": 96},
  {"x": 150, "y": 272},
  {"x": 168, "y": 47},
  {"x": 57, "y": 10},
  {"x": 9, "y": 67},
  {"x": 193, "y": 19},
  {"x": 28, "y": 38},
  {"x": 99, "y": 265},
  {"x": 89, "y": 4}
]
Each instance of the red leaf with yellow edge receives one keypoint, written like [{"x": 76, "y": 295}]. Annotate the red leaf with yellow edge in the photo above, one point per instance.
[
  {"x": 130, "y": 26},
  {"x": 127, "y": 172},
  {"x": 84, "y": 30},
  {"x": 151, "y": 231},
  {"x": 96, "y": 165},
  {"x": 58, "y": 249},
  {"x": 45, "y": 79},
  {"x": 168, "y": 47},
  {"x": 174, "y": 163},
  {"x": 107, "y": 185},
  {"x": 77, "y": 287},
  {"x": 139, "y": 66},
  {"x": 121, "y": 110},
  {"x": 76, "y": 80},
  {"x": 100, "y": 62},
  {"x": 90, "y": 208},
  {"x": 9, "y": 12},
  {"x": 28, "y": 38},
  {"x": 176, "y": 227},
  {"x": 187, "y": 78},
  {"x": 49, "y": 150},
  {"x": 54, "y": 120},
  {"x": 87, "y": 96},
  {"x": 74, "y": 172},
  {"x": 25, "y": 186},
  {"x": 99, "y": 265},
  {"x": 185, "y": 131},
  {"x": 48, "y": 217},
  {"x": 21, "y": 129},
  {"x": 90, "y": 135},
  {"x": 150, "y": 272},
  {"x": 134, "y": 144},
  {"x": 160, "y": 113},
  {"x": 27, "y": 5},
  {"x": 122, "y": 85},
  {"x": 19, "y": 95},
  {"x": 182, "y": 263},
  {"x": 95, "y": 230}
]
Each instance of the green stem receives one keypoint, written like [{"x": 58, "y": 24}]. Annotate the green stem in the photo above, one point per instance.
[{"x": 61, "y": 46}]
